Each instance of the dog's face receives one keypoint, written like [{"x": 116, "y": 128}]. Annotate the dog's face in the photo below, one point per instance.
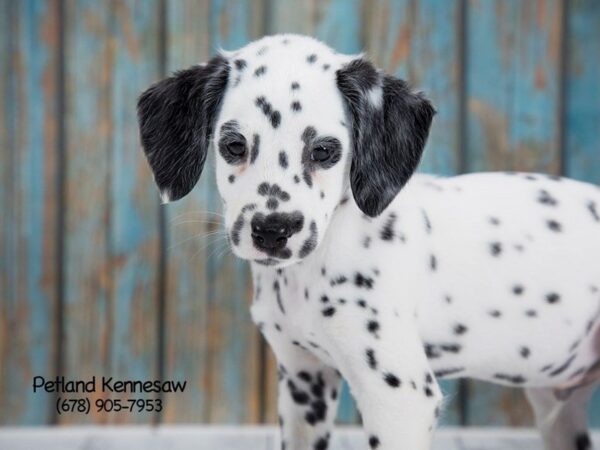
[{"x": 295, "y": 126}]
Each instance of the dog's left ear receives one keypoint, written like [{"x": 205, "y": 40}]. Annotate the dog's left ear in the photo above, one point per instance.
[{"x": 390, "y": 125}]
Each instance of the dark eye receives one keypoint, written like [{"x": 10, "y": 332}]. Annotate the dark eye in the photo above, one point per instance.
[
  {"x": 236, "y": 148},
  {"x": 320, "y": 154}
]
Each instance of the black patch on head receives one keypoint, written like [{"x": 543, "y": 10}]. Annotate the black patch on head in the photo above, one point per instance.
[
  {"x": 273, "y": 115},
  {"x": 326, "y": 67},
  {"x": 255, "y": 148},
  {"x": 240, "y": 64},
  {"x": 433, "y": 263},
  {"x": 311, "y": 58},
  {"x": 296, "y": 106},
  {"x": 387, "y": 139},
  {"x": 283, "y": 159},
  {"x": 328, "y": 312},
  {"x": 494, "y": 221},
  {"x": 363, "y": 281},
  {"x": 295, "y": 86},
  {"x": 260, "y": 71},
  {"x": 272, "y": 203},
  {"x": 373, "y": 327},
  {"x": 531, "y": 313},
  {"x": 296, "y": 179},
  {"x": 236, "y": 228},
  {"x": 495, "y": 313},
  {"x": 552, "y": 297},
  {"x": 231, "y": 178},
  {"x": 311, "y": 242},
  {"x": 524, "y": 352},
  {"x": 176, "y": 117}
]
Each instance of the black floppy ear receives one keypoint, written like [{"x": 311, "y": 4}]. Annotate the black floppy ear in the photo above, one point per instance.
[
  {"x": 176, "y": 117},
  {"x": 390, "y": 125}
]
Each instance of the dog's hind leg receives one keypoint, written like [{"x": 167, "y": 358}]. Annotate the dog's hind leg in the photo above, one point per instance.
[{"x": 562, "y": 423}]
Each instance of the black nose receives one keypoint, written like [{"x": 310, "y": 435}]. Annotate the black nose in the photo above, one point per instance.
[{"x": 272, "y": 232}]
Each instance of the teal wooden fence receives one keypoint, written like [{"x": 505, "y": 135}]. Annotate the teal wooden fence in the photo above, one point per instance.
[{"x": 97, "y": 279}]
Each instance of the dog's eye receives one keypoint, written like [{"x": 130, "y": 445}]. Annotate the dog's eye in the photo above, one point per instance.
[
  {"x": 320, "y": 154},
  {"x": 236, "y": 149}
]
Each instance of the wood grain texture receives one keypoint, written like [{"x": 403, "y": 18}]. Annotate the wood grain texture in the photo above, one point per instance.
[
  {"x": 187, "y": 354},
  {"x": 419, "y": 41},
  {"x": 28, "y": 191},
  {"x": 582, "y": 107},
  {"x": 234, "y": 343},
  {"x": 111, "y": 216},
  {"x": 513, "y": 123}
]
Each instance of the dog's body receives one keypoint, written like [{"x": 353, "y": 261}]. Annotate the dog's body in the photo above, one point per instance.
[{"x": 492, "y": 276}]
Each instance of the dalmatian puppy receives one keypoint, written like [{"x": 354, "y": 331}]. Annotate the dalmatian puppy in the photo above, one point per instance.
[{"x": 364, "y": 275}]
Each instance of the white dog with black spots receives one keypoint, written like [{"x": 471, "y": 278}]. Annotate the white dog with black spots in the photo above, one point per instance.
[{"x": 359, "y": 273}]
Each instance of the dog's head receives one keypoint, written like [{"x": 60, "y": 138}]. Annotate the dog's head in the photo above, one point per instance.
[{"x": 295, "y": 125}]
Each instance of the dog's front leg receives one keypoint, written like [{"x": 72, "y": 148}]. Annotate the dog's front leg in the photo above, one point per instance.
[
  {"x": 307, "y": 400},
  {"x": 383, "y": 360}
]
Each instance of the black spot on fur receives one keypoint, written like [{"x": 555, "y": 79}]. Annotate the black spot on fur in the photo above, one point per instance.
[
  {"x": 231, "y": 178},
  {"x": 593, "y": 209},
  {"x": 240, "y": 64},
  {"x": 272, "y": 204},
  {"x": 495, "y": 248},
  {"x": 255, "y": 148},
  {"x": 433, "y": 263},
  {"x": 391, "y": 380},
  {"x": 373, "y": 441},
  {"x": 459, "y": 329},
  {"x": 552, "y": 297},
  {"x": 328, "y": 312},
  {"x": 296, "y": 106},
  {"x": 236, "y": 228},
  {"x": 311, "y": 58},
  {"x": 524, "y": 352},
  {"x": 514, "y": 379},
  {"x": 553, "y": 225},
  {"x": 373, "y": 327},
  {"x": 583, "y": 441},
  {"x": 387, "y": 232},
  {"x": 295, "y": 86},
  {"x": 371, "y": 360},
  {"x": 260, "y": 71},
  {"x": 283, "y": 159},
  {"x": 546, "y": 199},
  {"x": 311, "y": 242},
  {"x": 518, "y": 289}
]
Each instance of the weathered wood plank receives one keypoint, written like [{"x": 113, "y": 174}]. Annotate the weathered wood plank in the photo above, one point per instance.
[
  {"x": 419, "y": 41},
  {"x": 187, "y": 355},
  {"x": 28, "y": 200},
  {"x": 582, "y": 107},
  {"x": 111, "y": 217},
  {"x": 234, "y": 343},
  {"x": 133, "y": 228},
  {"x": 337, "y": 23},
  {"x": 513, "y": 77}
]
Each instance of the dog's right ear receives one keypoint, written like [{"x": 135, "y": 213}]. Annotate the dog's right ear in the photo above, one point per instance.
[{"x": 176, "y": 117}]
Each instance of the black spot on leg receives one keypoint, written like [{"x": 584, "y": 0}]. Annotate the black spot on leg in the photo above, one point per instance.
[{"x": 427, "y": 221}]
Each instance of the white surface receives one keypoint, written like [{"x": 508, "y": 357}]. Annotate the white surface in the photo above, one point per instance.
[{"x": 238, "y": 438}]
